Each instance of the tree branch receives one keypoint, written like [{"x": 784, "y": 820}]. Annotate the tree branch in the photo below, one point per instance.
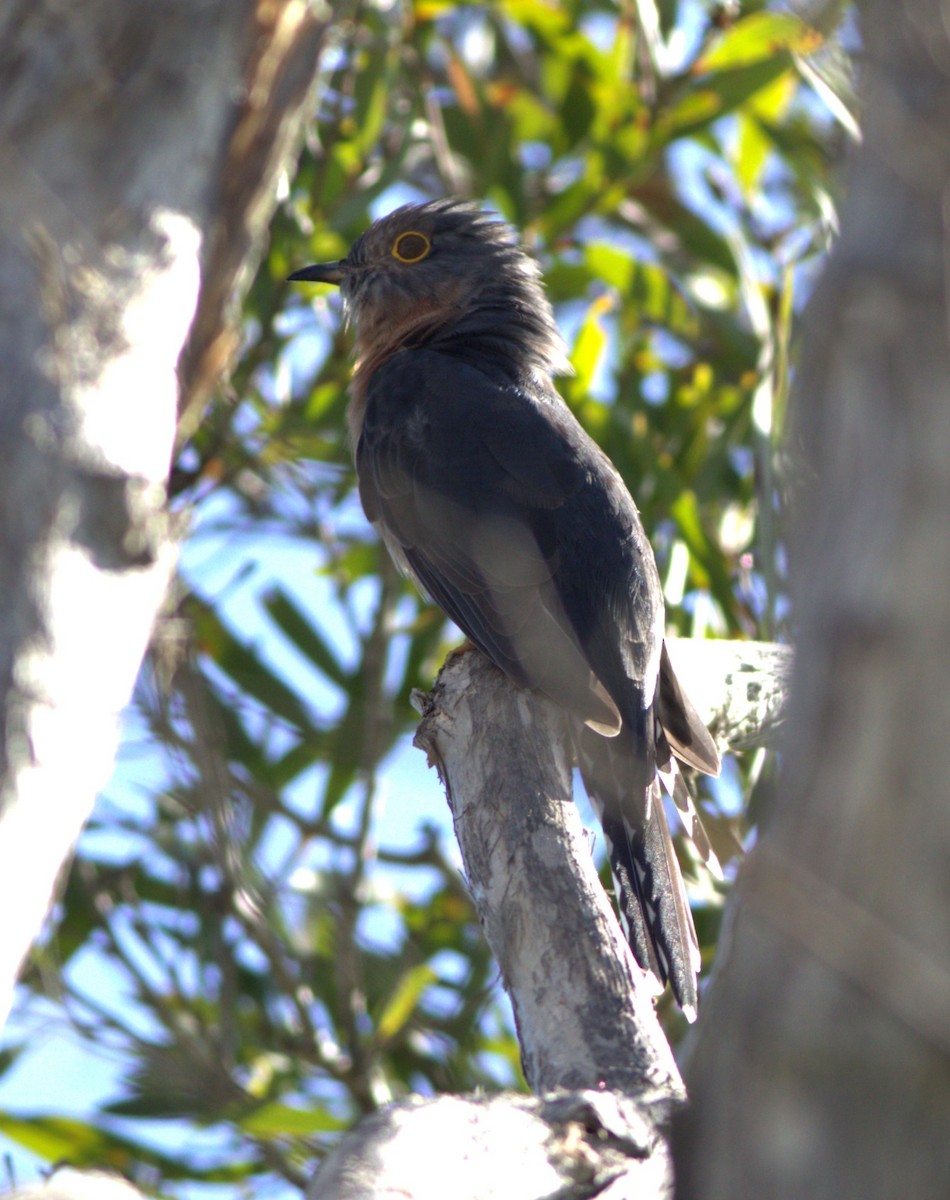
[
  {"x": 513, "y": 1148},
  {"x": 583, "y": 1008},
  {"x": 738, "y": 688}
]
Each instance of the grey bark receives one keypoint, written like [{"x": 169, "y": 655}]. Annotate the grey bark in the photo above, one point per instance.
[
  {"x": 822, "y": 1061},
  {"x": 583, "y": 1009},
  {"x": 738, "y": 688},
  {"x": 139, "y": 150},
  {"x": 507, "y": 1148}
]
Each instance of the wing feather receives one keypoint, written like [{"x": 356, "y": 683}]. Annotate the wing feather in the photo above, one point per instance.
[{"x": 479, "y": 518}]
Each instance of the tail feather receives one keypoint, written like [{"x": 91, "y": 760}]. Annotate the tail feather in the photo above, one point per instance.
[
  {"x": 652, "y": 902},
  {"x": 651, "y": 896},
  {"x": 636, "y": 918},
  {"x": 674, "y": 783},
  {"x": 690, "y": 739}
]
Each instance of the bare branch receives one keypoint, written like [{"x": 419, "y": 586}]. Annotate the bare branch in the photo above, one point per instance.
[
  {"x": 738, "y": 688},
  {"x": 583, "y": 1008}
]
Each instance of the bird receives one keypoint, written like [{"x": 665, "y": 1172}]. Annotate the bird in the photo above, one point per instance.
[{"x": 492, "y": 498}]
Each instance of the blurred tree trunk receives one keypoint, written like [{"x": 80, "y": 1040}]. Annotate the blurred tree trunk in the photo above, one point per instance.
[
  {"x": 822, "y": 1062},
  {"x": 140, "y": 146}
]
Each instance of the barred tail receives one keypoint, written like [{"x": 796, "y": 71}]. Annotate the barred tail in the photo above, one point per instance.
[{"x": 651, "y": 897}]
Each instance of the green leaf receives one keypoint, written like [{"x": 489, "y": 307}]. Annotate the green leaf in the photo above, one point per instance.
[
  {"x": 714, "y": 96},
  {"x": 285, "y": 1120},
  {"x": 588, "y": 348},
  {"x": 705, "y": 562},
  {"x": 759, "y": 36},
  {"x": 245, "y": 667},
  {"x": 404, "y": 1001},
  {"x": 81, "y": 1144},
  {"x": 302, "y": 630}
]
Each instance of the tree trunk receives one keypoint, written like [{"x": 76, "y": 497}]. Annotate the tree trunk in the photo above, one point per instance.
[
  {"x": 140, "y": 145},
  {"x": 822, "y": 1063}
]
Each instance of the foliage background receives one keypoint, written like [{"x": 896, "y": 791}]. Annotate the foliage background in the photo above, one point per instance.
[{"x": 265, "y": 930}]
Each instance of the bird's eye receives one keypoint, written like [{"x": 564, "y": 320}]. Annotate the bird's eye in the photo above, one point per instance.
[{"x": 411, "y": 247}]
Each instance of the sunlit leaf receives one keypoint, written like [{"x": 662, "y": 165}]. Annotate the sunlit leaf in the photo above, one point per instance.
[
  {"x": 588, "y": 348},
  {"x": 717, "y": 95},
  {"x": 759, "y": 36},
  {"x": 404, "y": 1001},
  {"x": 282, "y": 1120}
]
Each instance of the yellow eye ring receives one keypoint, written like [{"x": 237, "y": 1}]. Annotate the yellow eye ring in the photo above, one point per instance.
[{"x": 411, "y": 246}]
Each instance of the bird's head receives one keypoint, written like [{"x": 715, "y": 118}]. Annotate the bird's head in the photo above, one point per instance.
[{"x": 429, "y": 266}]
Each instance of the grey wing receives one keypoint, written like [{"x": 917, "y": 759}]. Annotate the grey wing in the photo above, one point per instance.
[{"x": 470, "y": 483}]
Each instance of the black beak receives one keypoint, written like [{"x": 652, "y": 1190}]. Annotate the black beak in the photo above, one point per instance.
[{"x": 321, "y": 273}]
